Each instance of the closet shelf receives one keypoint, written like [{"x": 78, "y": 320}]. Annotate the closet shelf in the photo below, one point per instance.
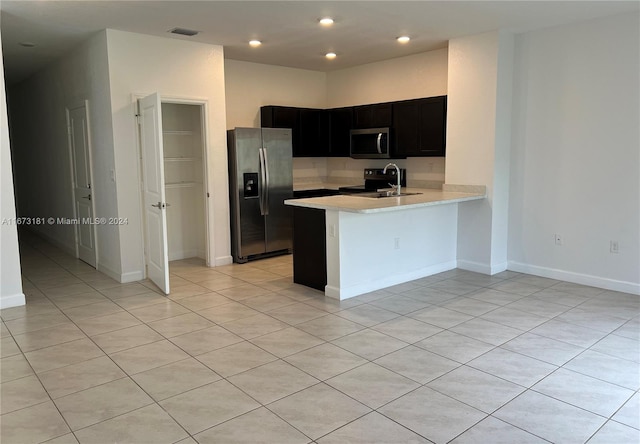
[
  {"x": 182, "y": 159},
  {"x": 178, "y": 133},
  {"x": 181, "y": 184}
]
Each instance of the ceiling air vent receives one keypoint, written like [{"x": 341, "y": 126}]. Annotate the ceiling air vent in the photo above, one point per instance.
[{"x": 184, "y": 31}]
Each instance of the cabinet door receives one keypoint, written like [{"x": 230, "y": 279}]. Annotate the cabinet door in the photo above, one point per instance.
[
  {"x": 373, "y": 116},
  {"x": 432, "y": 126},
  {"x": 362, "y": 116},
  {"x": 282, "y": 117},
  {"x": 279, "y": 117},
  {"x": 340, "y": 125},
  {"x": 405, "y": 126},
  {"x": 314, "y": 134},
  {"x": 309, "y": 248},
  {"x": 381, "y": 115}
]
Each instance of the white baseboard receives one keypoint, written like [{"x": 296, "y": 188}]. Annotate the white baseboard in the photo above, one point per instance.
[
  {"x": 377, "y": 284},
  {"x": 14, "y": 300},
  {"x": 123, "y": 278},
  {"x": 576, "y": 278},
  {"x": 332, "y": 292},
  {"x": 183, "y": 254},
  {"x": 108, "y": 271},
  {"x": 223, "y": 260},
  {"x": 499, "y": 268},
  {"x": 480, "y": 267},
  {"x": 476, "y": 267},
  {"x": 132, "y": 276}
]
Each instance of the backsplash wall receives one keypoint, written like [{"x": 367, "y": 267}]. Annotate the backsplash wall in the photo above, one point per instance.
[
  {"x": 309, "y": 170},
  {"x": 422, "y": 172}
]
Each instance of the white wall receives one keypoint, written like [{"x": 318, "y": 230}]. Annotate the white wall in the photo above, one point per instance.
[
  {"x": 576, "y": 157},
  {"x": 478, "y": 143},
  {"x": 410, "y": 77},
  {"x": 41, "y": 151},
  {"x": 252, "y": 85},
  {"x": 142, "y": 64},
  {"x": 10, "y": 279}
]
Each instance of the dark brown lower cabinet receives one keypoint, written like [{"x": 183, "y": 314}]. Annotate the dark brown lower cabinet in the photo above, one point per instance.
[{"x": 309, "y": 248}]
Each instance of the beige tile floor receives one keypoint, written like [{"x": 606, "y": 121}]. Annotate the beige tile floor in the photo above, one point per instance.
[{"x": 240, "y": 354}]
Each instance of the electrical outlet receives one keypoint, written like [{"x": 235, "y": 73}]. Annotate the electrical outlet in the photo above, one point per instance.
[
  {"x": 558, "y": 239},
  {"x": 614, "y": 247},
  {"x": 396, "y": 243}
]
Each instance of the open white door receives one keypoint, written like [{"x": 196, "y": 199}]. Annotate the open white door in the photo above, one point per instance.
[
  {"x": 154, "y": 193},
  {"x": 78, "y": 128}
]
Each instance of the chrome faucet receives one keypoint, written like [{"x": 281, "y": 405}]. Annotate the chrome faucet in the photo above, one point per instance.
[{"x": 396, "y": 188}]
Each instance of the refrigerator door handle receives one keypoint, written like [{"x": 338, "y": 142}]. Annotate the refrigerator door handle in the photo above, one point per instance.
[
  {"x": 263, "y": 181},
  {"x": 265, "y": 159}
]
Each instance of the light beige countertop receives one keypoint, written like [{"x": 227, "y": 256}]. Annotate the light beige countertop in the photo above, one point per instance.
[{"x": 358, "y": 204}]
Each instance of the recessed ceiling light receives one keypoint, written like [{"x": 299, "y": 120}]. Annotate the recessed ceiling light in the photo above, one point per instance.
[
  {"x": 27, "y": 44},
  {"x": 403, "y": 39},
  {"x": 255, "y": 43},
  {"x": 326, "y": 21},
  {"x": 330, "y": 55}
]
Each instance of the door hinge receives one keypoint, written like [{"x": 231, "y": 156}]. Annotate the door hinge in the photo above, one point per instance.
[
  {"x": 138, "y": 119},
  {"x": 207, "y": 194}
]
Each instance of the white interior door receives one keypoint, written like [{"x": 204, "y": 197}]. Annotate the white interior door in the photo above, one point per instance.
[
  {"x": 78, "y": 126},
  {"x": 154, "y": 192}
]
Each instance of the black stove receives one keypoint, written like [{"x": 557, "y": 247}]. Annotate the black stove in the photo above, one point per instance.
[{"x": 375, "y": 179}]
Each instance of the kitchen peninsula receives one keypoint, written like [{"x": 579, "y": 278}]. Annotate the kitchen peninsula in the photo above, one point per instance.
[{"x": 372, "y": 243}]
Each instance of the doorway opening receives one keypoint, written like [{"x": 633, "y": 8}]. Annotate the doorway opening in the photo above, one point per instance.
[
  {"x": 174, "y": 194},
  {"x": 184, "y": 184}
]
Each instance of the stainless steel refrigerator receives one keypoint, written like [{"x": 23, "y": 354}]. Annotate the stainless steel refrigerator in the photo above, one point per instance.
[{"x": 261, "y": 179}]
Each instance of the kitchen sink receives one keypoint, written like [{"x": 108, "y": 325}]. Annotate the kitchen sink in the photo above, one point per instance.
[{"x": 380, "y": 194}]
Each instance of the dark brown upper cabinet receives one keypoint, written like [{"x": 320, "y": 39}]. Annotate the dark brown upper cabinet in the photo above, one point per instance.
[
  {"x": 340, "y": 125},
  {"x": 379, "y": 115},
  {"x": 281, "y": 117},
  {"x": 420, "y": 126},
  {"x": 314, "y": 133},
  {"x": 310, "y": 128}
]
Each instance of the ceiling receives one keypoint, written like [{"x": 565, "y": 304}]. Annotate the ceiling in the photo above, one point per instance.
[{"x": 364, "y": 31}]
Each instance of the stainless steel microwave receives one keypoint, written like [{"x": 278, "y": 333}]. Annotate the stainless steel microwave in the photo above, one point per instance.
[{"x": 371, "y": 143}]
